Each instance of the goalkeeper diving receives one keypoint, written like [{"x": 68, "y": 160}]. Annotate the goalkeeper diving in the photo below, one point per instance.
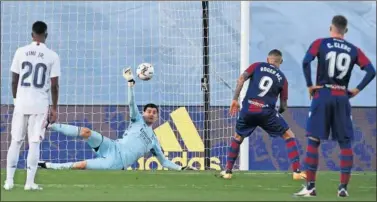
[{"x": 137, "y": 141}]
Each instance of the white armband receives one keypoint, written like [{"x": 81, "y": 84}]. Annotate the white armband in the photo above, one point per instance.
[{"x": 14, "y": 101}]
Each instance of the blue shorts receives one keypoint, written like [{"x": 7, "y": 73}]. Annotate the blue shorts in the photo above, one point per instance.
[
  {"x": 108, "y": 156},
  {"x": 269, "y": 120},
  {"x": 330, "y": 113}
]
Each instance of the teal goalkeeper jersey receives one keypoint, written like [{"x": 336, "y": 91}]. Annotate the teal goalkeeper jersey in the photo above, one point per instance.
[{"x": 139, "y": 139}]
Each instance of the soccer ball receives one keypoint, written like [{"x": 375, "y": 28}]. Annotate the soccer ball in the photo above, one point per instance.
[{"x": 145, "y": 71}]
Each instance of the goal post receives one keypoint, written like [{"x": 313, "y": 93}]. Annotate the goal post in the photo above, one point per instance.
[
  {"x": 205, "y": 87},
  {"x": 244, "y": 63},
  {"x": 96, "y": 40}
]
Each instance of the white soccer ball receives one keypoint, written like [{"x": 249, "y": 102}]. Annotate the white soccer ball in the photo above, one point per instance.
[{"x": 145, "y": 71}]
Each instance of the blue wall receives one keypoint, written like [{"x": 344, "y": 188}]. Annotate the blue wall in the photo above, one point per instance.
[
  {"x": 265, "y": 153},
  {"x": 95, "y": 40}
]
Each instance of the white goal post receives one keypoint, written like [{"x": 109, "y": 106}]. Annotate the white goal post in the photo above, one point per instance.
[{"x": 244, "y": 63}]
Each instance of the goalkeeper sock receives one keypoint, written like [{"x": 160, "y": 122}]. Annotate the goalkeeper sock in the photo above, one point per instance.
[
  {"x": 32, "y": 162},
  {"x": 311, "y": 161},
  {"x": 12, "y": 159},
  {"x": 346, "y": 163},
  {"x": 293, "y": 153},
  {"x": 68, "y": 130},
  {"x": 59, "y": 166},
  {"x": 233, "y": 152}
]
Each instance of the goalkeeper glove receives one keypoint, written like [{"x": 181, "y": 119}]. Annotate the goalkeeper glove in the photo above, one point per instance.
[
  {"x": 127, "y": 74},
  {"x": 188, "y": 168}
]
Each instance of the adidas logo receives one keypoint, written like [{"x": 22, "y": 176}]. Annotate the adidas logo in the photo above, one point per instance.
[{"x": 173, "y": 149}]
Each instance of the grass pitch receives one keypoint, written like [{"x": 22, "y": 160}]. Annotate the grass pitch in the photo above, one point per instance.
[{"x": 69, "y": 185}]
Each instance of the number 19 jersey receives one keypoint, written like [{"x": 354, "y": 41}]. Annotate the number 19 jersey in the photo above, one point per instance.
[
  {"x": 35, "y": 64},
  {"x": 267, "y": 82},
  {"x": 336, "y": 58}
]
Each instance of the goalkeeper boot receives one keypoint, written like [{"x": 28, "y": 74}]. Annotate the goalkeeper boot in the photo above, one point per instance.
[
  {"x": 226, "y": 174},
  {"x": 299, "y": 175},
  {"x": 32, "y": 187},
  {"x": 306, "y": 192},
  {"x": 42, "y": 164},
  {"x": 8, "y": 185}
]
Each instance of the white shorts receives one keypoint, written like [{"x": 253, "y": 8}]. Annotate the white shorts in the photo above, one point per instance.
[{"x": 34, "y": 123}]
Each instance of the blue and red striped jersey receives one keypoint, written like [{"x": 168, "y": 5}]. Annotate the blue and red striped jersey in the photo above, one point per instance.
[
  {"x": 267, "y": 82},
  {"x": 336, "y": 59}
]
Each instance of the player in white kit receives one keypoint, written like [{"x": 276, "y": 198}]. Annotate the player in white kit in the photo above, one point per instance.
[{"x": 35, "y": 70}]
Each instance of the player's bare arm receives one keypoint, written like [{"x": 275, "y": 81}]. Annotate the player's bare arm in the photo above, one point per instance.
[
  {"x": 15, "y": 78},
  {"x": 235, "y": 106},
  {"x": 55, "y": 97},
  {"x": 240, "y": 81}
]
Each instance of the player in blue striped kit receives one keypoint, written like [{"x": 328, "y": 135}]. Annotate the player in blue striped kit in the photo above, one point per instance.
[
  {"x": 330, "y": 109},
  {"x": 137, "y": 141}
]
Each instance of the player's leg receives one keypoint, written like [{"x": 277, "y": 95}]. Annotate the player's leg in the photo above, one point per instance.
[
  {"x": 243, "y": 129},
  {"x": 293, "y": 154},
  {"x": 105, "y": 163},
  {"x": 93, "y": 138},
  {"x": 311, "y": 162},
  {"x": 106, "y": 150},
  {"x": 342, "y": 131},
  {"x": 79, "y": 165},
  {"x": 110, "y": 162},
  {"x": 36, "y": 132},
  {"x": 275, "y": 125},
  {"x": 18, "y": 133},
  {"x": 318, "y": 127}
]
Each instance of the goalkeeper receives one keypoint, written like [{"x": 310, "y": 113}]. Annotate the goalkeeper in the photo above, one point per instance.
[{"x": 138, "y": 140}]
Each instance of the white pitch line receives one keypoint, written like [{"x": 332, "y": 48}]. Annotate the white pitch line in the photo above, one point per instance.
[
  {"x": 237, "y": 173},
  {"x": 157, "y": 186}
]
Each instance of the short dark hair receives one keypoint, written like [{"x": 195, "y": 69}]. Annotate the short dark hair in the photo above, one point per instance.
[
  {"x": 150, "y": 105},
  {"x": 275, "y": 52},
  {"x": 39, "y": 28},
  {"x": 340, "y": 22}
]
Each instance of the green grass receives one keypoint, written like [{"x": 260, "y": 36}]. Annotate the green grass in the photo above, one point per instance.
[{"x": 180, "y": 186}]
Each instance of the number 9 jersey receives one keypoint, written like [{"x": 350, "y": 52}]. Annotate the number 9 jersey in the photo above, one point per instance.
[
  {"x": 267, "y": 82},
  {"x": 36, "y": 65}
]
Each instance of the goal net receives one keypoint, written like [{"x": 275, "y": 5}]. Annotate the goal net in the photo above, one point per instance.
[{"x": 96, "y": 40}]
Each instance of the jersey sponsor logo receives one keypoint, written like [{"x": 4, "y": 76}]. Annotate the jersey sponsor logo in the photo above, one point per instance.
[
  {"x": 172, "y": 148},
  {"x": 256, "y": 105}
]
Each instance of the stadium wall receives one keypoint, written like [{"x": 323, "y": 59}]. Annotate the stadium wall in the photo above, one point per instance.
[{"x": 265, "y": 153}]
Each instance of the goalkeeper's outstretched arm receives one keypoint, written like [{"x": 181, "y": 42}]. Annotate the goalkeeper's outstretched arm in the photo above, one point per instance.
[
  {"x": 134, "y": 112},
  {"x": 156, "y": 151}
]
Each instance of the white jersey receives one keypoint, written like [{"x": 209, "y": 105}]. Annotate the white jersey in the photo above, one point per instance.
[{"x": 36, "y": 65}]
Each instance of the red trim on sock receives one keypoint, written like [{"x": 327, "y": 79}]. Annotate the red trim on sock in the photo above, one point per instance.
[
  {"x": 310, "y": 176},
  {"x": 295, "y": 165},
  {"x": 311, "y": 161},
  {"x": 345, "y": 164},
  {"x": 345, "y": 178},
  {"x": 291, "y": 143},
  {"x": 346, "y": 152},
  {"x": 232, "y": 155},
  {"x": 293, "y": 154}
]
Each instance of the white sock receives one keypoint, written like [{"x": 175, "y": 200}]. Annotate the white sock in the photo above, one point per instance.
[
  {"x": 59, "y": 166},
  {"x": 12, "y": 159},
  {"x": 32, "y": 162}
]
